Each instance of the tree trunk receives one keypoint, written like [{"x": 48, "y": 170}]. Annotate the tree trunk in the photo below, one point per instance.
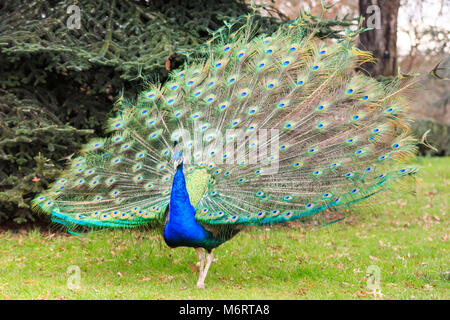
[{"x": 381, "y": 15}]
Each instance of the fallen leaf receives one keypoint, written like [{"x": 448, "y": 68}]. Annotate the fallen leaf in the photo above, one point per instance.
[
  {"x": 194, "y": 268},
  {"x": 361, "y": 294},
  {"x": 146, "y": 279}
]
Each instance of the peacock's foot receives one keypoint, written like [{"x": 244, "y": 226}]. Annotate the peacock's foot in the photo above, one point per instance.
[{"x": 200, "y": 285}]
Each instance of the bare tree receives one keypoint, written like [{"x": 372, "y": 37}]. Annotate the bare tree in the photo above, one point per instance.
[{"x": 381, "y": 15}]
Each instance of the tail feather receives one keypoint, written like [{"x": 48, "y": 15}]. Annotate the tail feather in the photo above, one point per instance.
[{"x": 282, "y": 126}]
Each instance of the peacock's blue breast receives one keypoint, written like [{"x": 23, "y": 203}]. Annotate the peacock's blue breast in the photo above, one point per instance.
[{"x": 181, "y": 228}]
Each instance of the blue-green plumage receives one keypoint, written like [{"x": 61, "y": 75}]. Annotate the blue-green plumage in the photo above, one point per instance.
[{"x": 181, "y": 229}]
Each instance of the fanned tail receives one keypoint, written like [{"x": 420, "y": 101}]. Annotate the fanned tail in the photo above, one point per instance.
[{"x": 271, "y": 129}]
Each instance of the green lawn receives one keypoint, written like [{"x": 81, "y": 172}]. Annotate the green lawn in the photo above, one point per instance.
[{"x": 406, "y": 239}]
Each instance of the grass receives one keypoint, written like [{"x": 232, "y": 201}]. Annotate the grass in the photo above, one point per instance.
[{"x": 406, "y": 239}]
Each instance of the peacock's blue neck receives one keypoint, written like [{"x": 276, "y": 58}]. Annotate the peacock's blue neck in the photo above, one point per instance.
[
  {"x": 179, "y": 197},
  {"x": 181, "y": 229}
]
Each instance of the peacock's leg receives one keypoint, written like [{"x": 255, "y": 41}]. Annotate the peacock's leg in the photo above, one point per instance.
[
  {"x": 201, "y": 257},
  {"x": 201, "y": 279}
]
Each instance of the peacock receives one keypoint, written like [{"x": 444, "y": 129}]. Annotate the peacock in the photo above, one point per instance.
[{"x": 254, "y": 130}]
